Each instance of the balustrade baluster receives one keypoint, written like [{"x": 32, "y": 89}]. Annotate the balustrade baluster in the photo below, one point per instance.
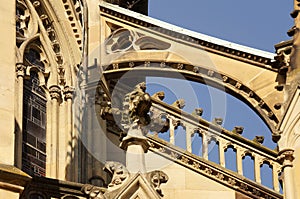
[
  {"x": 222, "y": 153},
  {"x": 275, "y": 178},
  {"x": 257, "y": 164},
  {"x": 172, "y": 130},
  {"x": 189, "y": 132},
  {"x": 239, "y": 161},
  {"x": 205, "y": 146}
]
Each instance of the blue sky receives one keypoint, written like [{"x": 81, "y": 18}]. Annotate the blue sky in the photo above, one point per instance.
[{"x": 256, "y": 23}]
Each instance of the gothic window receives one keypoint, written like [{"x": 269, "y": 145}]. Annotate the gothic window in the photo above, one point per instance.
[
  {"x": 33, "y": 57},
  {"x": 34, "y": 123}
]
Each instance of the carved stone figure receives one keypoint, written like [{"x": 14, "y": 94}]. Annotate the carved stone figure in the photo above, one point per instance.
[
  {"x": 180, "y": 103},
  {"x": 118, "y": 172},
  {"x": 259, "y": 139},
  {"x": 238, "y": 129},
  {"x": 197, "y": 112},
  {"x": 156, "y": 178},
  {"x": 159, "y": 95},
  {"x": 136, "y": 106},
  {"x": 93, "y": 192}
]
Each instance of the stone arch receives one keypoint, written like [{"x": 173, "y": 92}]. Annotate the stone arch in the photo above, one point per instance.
[
  {"x": 201, "y": 75},
  {"x": 57, "y": 44}
]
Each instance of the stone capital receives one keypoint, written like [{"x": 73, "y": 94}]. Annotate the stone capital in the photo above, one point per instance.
[
  {"x": 135, "y": 140},
  {"x": 68, "y": 92},
  {"x": 55, "y": 92},
  {"x": 286, "y": 157},
  {"x": 20, "y": 69}
]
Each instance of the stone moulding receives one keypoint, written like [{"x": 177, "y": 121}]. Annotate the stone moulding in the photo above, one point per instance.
[
  {"x": 248, "y": 96},
  {"x": 211, "y": 170},
  {"x": 107, "y": 11}
]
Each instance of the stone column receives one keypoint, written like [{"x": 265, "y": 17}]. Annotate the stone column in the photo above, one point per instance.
[
  {"x": 222, "y": 147},
  {"x": 172, "y": 124},
  {"x": 54, "y": 152},
  {"x": 136, "y": 145},
  {"x": 68, "y": 95},
  {"x": 286, "y": 158},
  {"x": 239, "y": 160},
  {"x": 20, "y": 72},
  {"x": 189, "y": 132},
  {"x": 205, "y": 146},
  {"x": 257, "y": 163}
]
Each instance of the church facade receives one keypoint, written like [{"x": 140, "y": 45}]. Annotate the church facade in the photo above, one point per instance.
[{"x": 78, "y": 121}]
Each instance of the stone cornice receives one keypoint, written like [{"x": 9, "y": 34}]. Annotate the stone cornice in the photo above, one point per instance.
[
  {"x": 244, "y": 56},
  {"x": 13, "y": 175}
]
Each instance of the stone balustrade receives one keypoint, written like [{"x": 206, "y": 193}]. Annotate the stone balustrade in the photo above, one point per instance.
[{"x": 224, "y": 139}]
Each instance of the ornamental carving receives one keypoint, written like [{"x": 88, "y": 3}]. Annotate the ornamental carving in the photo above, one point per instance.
[
  {"x": 136, "y": 106},
  {"x": 286, "y": 158},
  {"x": 180, "y": 104},
  {"x": 156, "y": 178},
  {"x": 93, "y": 192},
  {"x": 55, "y": 92},
  {"x": 122, "y": 40},
  {"x": 20, "y": 70},
  {"x": 68, "y": 92},
  {"x": 118, "y": 172}
]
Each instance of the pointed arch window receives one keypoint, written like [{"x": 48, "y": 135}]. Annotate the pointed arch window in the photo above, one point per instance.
[{"x": 34, "y": 116}]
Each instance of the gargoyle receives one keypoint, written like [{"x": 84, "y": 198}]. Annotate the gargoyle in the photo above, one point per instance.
[{"x": 136, "y": 106}]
